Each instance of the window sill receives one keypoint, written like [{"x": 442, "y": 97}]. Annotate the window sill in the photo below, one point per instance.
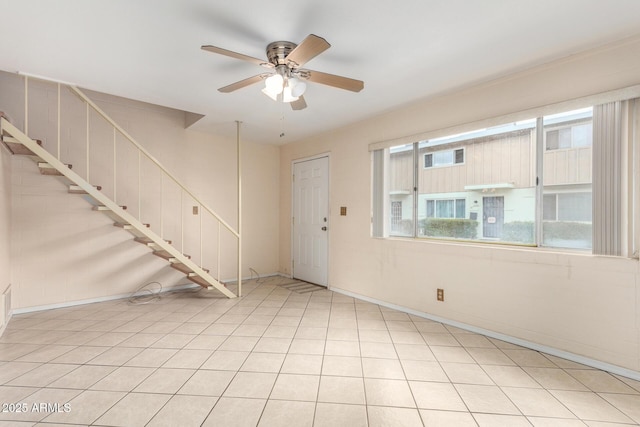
[{"x": 492, "y": 244}]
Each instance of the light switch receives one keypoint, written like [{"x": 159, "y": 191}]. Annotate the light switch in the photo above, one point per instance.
[{"x": 343, "y": 211}]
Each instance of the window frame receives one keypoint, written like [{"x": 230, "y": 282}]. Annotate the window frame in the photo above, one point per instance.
[{"x": 625, "y": 101}]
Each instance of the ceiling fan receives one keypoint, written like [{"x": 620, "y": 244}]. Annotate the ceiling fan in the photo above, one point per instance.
[{"x": 286, "y": 82}]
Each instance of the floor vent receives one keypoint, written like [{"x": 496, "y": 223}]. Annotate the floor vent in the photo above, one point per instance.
[{"x": 301, "y": 287}]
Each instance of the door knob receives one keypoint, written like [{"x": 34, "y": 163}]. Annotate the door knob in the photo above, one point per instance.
[{"x": 324, "y": 228}]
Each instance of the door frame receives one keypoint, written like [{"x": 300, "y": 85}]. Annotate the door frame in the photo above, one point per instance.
[{"x": 292, "y": 210}]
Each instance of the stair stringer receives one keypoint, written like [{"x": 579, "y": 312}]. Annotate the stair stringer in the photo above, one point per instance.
[{"x": 140, "y": 228}]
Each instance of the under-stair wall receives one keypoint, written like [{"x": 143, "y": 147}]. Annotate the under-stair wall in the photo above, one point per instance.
[{"x": 63, "y": 252}]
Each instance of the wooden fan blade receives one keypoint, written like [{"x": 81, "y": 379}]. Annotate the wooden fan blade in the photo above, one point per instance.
[
  {"x": 299, "y": 104},
  {"x": 236, "y": 55},
  {"x": 308, "y": 49},
  {"x": 332, "y": 80},
  {"x": 244, "y": 83}
]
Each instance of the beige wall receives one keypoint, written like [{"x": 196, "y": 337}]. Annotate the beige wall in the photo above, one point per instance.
[
  {"x": 583, "y": 304},
  {"x": 64, "y": 252}
]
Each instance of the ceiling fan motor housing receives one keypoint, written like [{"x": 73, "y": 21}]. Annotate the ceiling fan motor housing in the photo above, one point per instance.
[{"x": 277, "y": 52}]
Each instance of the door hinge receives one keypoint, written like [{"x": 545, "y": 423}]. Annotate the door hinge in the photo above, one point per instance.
[{"x": 293, "y": 178}]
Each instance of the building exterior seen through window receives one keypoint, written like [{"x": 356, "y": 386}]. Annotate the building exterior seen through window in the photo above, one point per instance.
[{"x": 481, "y": 185}]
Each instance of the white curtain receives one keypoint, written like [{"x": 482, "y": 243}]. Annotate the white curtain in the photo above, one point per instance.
[{"x": 609, "y": 126}]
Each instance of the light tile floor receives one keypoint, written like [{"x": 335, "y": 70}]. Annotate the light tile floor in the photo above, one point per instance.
[{"x": 277, "y": 358}]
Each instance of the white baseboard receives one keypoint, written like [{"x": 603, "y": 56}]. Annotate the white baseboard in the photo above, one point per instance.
[
  {"x": 614, "y": 369},
  {"x": 251, "y": 277},
  {"x": 179, "y": 286},
  {"x": 94, "y": 300}
]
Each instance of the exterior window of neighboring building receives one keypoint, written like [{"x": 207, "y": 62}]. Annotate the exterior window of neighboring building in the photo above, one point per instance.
[
  {"x": 444, "y": 158},
  {"x": 567, "y": 207},
  {"x": 550, "y": 207},
  {"x": 579, "y": 135},
  {"x": 452, "y": 208}
]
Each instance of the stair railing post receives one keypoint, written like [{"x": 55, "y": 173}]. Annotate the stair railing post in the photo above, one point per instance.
[
  {"x": 218, "y": 264},
  {"x": 87, "y": 108},
  {"x": 239, "y": 208},
  {"x": 26, "y": 105},
  {"x": 115, "y": 168},
  {"x": 139, "y": 186},
  {"x": 161, "y": 204},
  {"x": 58, "y": 121}
]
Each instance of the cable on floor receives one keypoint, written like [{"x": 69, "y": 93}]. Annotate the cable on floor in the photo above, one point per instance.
[
  {"x": 258, "y": 278},
  {"x": 146, "y": 296},
  {"x": 142, "y": 295}
]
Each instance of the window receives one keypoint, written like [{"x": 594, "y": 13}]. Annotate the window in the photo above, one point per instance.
[
  {"x": 549, "y": 206},
  {"x": 567, "y": 180},
  {"x": 399, "y": 183},
  {"x": 508, "y": 189},
  {"x": 567, "y": 207},
  {"x": 459, "y": 203},
  {"x": 575, "y": 136},
  {"x": 444, "y": 158},
  {"x": 453, "y": 208}
]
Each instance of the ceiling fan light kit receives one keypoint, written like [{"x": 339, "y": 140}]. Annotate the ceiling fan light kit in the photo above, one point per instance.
[
  {"x": 287, "y": 81},
  {"x": 274, "y": 84},
  {"x": 291, "y": 88},
  {"x": 297, "y": 87}
]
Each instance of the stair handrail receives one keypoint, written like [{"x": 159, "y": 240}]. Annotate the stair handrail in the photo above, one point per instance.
[{"x": 124, "y": 133}]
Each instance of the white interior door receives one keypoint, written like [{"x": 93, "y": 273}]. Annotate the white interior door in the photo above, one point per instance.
[{"x": 310, "y": 220}]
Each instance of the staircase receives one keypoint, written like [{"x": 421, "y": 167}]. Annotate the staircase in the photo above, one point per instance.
[{"x": 19, "y": 144}]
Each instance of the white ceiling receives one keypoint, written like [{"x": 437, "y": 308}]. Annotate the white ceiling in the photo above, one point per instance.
[{"x": 406, "y": 50}]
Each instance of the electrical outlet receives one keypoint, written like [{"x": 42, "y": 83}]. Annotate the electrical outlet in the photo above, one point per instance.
[{"x": 440, "y": 294}]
